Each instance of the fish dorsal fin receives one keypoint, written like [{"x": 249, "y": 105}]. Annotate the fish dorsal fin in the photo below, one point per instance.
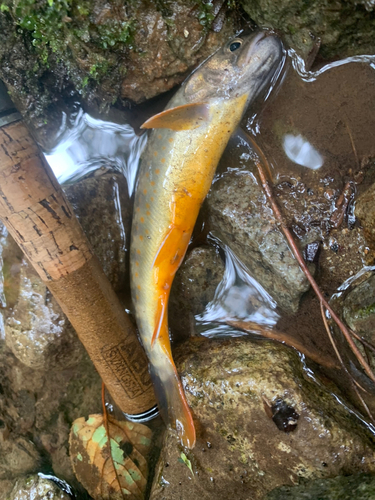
[{"x": 185, "y": 117}]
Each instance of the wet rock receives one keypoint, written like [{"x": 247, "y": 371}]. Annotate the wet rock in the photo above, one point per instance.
[
  {"x": 37, "y": 487},
  {"x": 169, "y": 42},
  {"x": 235, "y": 389},
  {"x": 365, "y": 211},
  {"x": 103, "y": 208},
  {"x": 38, "y": 408},
  {"x": 359, "y": 308},
  {"x": 6, "y": 487},
  {"x": 18, "y": 455},
  {"x": 359, "y": 486},
  {"x": 193, "y": 288},
  {"x": 37, "y": 331},
  {"x": 241, "y": 217},
  {"x": 342, "y": 31}
]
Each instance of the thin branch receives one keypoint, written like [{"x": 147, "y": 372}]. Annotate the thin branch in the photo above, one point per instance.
[
  {"x": 269, "y": 333},
  {"x": 301, "y": 261}
]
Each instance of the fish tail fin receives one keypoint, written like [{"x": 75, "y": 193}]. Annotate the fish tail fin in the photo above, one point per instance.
[{"x": 172, "y": 403}]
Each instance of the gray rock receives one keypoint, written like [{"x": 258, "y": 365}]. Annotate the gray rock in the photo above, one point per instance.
[
  {"x": 37, "y": 408},
  {"x": 37, "y": 331},
  {"x": 240, "y": 216},
  {"x": 18, "y": 455},
  {"x": 102, "y": 206},
  {"x": 359, "y": 486},
  {"x": 193, "y": 288},
  {"x": 261, "y": 423},
  {"x": 37, "y": 488},
  {"x": 344, "y": 30}
]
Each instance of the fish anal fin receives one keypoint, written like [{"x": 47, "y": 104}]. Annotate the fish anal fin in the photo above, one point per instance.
[{"x": 185, "y": 117}]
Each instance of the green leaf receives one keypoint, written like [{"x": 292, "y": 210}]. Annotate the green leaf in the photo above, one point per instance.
[{"x": 184, "y": 460}]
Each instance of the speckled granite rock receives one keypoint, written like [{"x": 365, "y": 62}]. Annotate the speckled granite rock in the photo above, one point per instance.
[
  {"x": 244, "y": 397},
  {"x": 241, "y": 217}
]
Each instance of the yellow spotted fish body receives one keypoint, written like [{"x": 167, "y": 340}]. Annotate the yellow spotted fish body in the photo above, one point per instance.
[{"x": 175, "y": 175}]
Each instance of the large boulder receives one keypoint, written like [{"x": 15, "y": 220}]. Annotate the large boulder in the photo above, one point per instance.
[{"x": 261, "y": 422}]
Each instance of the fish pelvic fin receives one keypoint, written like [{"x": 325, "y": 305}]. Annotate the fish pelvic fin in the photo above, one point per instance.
[
  {"x": 172, "y": 403},
  {"x": 185, "y": 117}
]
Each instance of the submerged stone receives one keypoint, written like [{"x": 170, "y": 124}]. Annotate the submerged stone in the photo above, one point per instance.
[
  {"x": 37, "y": 331},
  {"x": 102, "y": 205},
  {"x": 365, "y": 211},
  {"x": 193, "y": 288},
  {"x": 235, "y": 388}
]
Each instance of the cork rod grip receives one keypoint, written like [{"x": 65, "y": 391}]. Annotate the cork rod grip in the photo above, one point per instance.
[{"x": 35, "y": 211}]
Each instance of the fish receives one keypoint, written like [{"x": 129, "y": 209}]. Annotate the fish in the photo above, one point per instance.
[{"x": 175, "y": 175}]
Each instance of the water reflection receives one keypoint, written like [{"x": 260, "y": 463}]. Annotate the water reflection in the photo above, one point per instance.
[
  {"x": 238, "y": 297},
  {"x": 318, "y": 119},
  {"x": 91, "y": 144},
  {"x": 302, "y": 152}
]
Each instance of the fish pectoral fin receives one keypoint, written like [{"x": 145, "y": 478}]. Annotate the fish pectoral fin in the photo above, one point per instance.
[{"x": 185, "y": 117}]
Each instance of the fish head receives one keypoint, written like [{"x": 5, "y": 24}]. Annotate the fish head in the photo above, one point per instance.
[{"x": 244, "y": 65}]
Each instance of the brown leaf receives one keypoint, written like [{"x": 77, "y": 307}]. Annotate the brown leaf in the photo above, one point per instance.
[{"x": 117, "y": 475}]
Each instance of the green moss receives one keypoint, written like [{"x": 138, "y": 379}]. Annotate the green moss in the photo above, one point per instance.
[
  {"x": 115, "y": 32},
  {"x": 365, "y": 312},
  {"x": 206, "y": 15},
  {"x": 68, "y": 31}
]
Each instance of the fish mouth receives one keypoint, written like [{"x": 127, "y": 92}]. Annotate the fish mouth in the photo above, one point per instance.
[{"x": 254, "y": 44}]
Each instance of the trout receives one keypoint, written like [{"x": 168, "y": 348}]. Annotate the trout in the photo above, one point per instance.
[{"x": 175, "y": 176}]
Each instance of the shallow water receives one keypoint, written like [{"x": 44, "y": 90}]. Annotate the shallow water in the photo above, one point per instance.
[{"x": 88, "y": 144}]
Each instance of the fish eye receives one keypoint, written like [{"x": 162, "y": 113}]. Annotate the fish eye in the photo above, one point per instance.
[{"x": 236, "y": 44}]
